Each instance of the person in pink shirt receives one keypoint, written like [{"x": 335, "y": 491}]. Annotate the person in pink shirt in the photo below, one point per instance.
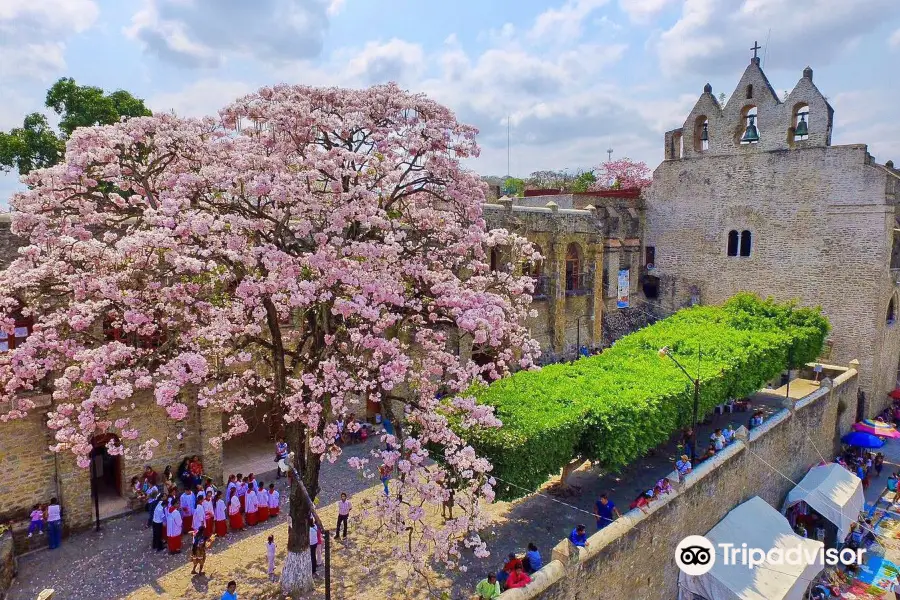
[{"x": 37, "y": 520}]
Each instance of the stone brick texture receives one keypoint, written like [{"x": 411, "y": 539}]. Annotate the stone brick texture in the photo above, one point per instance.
[
  {"x": 35, "y": 474},
  {"x": 640, "y": 565},
  {"x": 822, "y": 232},
  {"x": 7, "y": 562},
  {"x": 607, "y": 231}
]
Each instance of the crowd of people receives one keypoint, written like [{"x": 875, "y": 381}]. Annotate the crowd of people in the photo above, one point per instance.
[
  {"x": 203, "y": 511},
  {"x": 516, "y": 573}
]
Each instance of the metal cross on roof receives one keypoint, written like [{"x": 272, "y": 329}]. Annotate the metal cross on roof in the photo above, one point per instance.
[{"x": 755, "y": 47}]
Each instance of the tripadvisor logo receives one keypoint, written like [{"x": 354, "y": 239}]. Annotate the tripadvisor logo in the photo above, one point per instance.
[{"x": 696, "y": 555}]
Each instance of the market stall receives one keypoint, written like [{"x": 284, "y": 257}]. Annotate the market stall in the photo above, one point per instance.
[
  {"x": 757, "y": 525},
  {"x": 833, "y": 492}
]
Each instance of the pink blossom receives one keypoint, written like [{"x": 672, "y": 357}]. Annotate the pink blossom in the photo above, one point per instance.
[{"x": 236, "y": 237}]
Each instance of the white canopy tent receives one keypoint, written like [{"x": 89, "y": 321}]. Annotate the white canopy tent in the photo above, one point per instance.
[
  {"x": 758, "y": 525},
  {"x": 834, "y": 492}
]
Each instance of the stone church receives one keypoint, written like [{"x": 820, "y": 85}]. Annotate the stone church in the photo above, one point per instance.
[{"x": 753, "y": 196}]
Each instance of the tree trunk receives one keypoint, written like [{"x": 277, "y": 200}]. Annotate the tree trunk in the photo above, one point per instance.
[{"x": 296, "y": 574}]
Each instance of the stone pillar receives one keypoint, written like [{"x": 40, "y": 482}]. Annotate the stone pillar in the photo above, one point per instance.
[
  {"x": 557, "y": 273},
  {"x": 210, "y": 427},
  {"x": 598, "y": 293},
  {"x": 74, "y": 492}
]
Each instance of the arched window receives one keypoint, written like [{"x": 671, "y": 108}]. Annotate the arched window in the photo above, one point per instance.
[
  {"x": 573, "y": 267},
  {"x": 532, "y": 268},
  {"x": 891, "y": 313},
  {"x": 701, "y": 134},
  {"x": 746, "y": 241},
  {"x": 733, "y": 238},
  {"x": 800, "y": 123},
  {"x": 750, "y": 91},
  {"x": 749, "y": 132},
  {"x": 677, "y": 145},
  {"x": 495, "y": 258}
]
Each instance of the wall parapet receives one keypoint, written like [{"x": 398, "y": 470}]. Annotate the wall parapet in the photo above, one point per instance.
[{"x": 634, "y": 553}]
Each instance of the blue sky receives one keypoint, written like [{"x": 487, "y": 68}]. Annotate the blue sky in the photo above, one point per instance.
[{"x": 575, "y": 76}]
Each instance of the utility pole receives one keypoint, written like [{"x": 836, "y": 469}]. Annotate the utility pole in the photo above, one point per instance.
[
  {"x": 507, "y": 146},
  {"x": 288, "y": 464}
]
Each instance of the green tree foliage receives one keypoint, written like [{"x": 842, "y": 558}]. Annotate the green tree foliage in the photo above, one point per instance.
[
  {"x": 35, "y": 145},
  {"x": 583, "y": 181},
  {"x": 615, "y": 407},
  {"x": 513, "y": 186}
]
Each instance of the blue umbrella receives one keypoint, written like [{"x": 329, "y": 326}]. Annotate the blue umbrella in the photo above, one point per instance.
[{"x": 861, "y": 439}]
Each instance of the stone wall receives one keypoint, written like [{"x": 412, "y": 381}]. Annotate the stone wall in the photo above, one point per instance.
[
  {"x": 607, "y": 232},
  {"x": 35, "y": 474},
  {"x": 7, "y": 562},
  {"x": 822, "y": 230},
  {"x": 633, "y": 557},
  {"x": 9, "y": 244}
]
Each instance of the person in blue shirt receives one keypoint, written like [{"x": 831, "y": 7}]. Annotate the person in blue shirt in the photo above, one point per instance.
[
  {"x": 578, "y": 536},
  {"x": 230, "y": 591},
  {"x": 605, "y": 511},
  {"x": 533, "y": 560}
]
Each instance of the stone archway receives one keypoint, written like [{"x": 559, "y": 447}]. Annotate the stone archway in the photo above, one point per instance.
[{"x": 106, "y": 473}]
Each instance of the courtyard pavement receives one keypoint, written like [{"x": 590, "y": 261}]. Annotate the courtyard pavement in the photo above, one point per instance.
[{"x": 118, "y": 560}]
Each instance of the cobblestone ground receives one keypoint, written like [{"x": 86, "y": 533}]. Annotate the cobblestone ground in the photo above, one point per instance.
[
  {"x": 118, "y": 560},
  {"x": 118, "y": 563}
]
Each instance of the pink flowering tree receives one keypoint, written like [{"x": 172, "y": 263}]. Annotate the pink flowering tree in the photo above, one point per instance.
[
  {"x": 622, "y": 174},
  {"x": 307, "y": 249}
]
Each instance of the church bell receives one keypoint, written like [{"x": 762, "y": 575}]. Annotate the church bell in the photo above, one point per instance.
[
  {"x": 751, "y": 134},
  {"x": 704, "y": 135},
  {"x": 801, "y": 129}
]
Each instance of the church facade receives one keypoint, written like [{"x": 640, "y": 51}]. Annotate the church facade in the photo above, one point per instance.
[{"x": 752, "y": 196}]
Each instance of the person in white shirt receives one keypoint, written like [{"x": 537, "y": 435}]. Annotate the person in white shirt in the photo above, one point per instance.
[
  {"x": 262, "y": 501},
  {"x": 54, "y": 524},
  {"x": 230, "y": 489},
  {"x": 187, "y": 502},
  {"x": 198, "y": 519},
  {"x": 159, "y": 516},
  {"x": 173, "y": 529},
  {"x": 270, "y": 556},
  {"x": 221, "y": 518},
  {"x": 274, "y": 498},
  {"x": 313, "y": 542},
  {"x": 235, "y": 519},
  {"x": 251, "y": 506},
  {"x": 209, "y": 510},
  {"x": 344, "y": 507}
]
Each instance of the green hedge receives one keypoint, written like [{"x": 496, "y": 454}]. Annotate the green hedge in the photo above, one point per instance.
[{"x": 614, "y": 407}]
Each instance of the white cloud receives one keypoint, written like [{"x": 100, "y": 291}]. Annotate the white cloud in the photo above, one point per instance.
[
  {"x": 201, "y": 98},
  {"x": 33, "y": 35},
  {"x": 642, "y": 11},
  {"x": 335, "y": 7},
  {"x": 395, "y": 60},
  {"x": 204, "y": 33},
  {"x": 813, "y": 32},
  {"x": 564, "y": 23},
  {"x": 894, "y": 40},
  {"x": 866, "y": 116}
]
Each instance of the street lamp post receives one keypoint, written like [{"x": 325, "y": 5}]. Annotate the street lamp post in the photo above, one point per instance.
[
  {"x": 286, "y": 465},
  {"x": 664, "y": 352}
]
